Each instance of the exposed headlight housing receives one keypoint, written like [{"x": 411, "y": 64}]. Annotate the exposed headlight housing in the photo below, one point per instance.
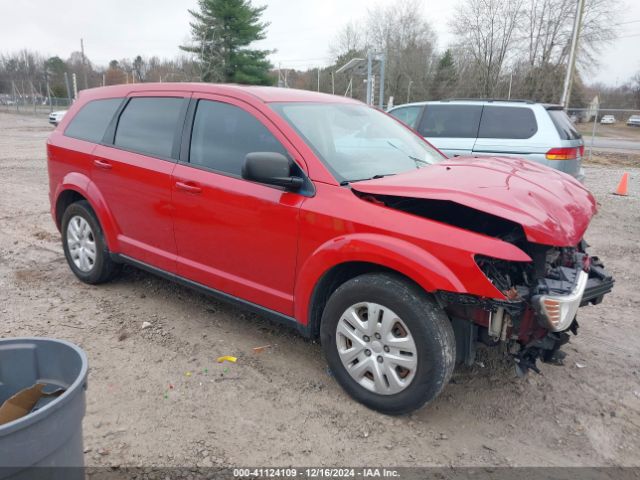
[{"x": 557, "y": 312}]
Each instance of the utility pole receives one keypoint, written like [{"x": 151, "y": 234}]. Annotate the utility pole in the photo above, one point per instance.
[
  {"x": 382, "y": 59},
  {"x": 46, "y": 79},
  {"x": 373, "y": 90},
  {"x": 33, "y": 96},
  {"x": 66, "y": 82},
  {"x": 14, "y": 94},
  {"x": 74, "y": 81},
  {"x": 369, "y": 77},
  {"x": 568, "y": 79},
  {"x": 84, "y": 64}
]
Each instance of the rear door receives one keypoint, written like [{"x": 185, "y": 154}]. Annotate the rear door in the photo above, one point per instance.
[
  {"x": 133, "y": 170},
  {"x": 508, "y": 131},
  {"x": 451, "y": 127}
]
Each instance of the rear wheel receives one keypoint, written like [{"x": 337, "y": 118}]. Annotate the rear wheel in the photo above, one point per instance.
[
  {"x": 84, "y": 246},
  {"x": 390, "y": 346}
]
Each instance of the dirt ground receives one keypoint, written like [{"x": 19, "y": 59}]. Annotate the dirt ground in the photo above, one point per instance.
[
  {"x": 613, "y": 159},
  {"x": 156, "y": 396},
  {"x": 618, "y": 130}
]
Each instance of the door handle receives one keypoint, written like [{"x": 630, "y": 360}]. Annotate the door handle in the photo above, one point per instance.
[
  {"x": 102, "y": 164},
  {"x": 187, "y": 187}
]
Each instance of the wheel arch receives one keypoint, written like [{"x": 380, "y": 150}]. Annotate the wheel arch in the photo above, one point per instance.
[
  {"x": 76, "y": 188},
  {"x": 340, "y": 260}
]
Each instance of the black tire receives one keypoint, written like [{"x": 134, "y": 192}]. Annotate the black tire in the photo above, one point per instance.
[
  {"x": 429, "y": 325},
  {"x": 104, "y": 268}
]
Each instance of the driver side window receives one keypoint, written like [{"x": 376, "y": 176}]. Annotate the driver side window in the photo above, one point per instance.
[{"x": 224, "y": 134}]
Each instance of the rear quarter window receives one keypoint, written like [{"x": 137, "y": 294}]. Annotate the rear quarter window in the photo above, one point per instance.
[
  {"x": 507, "y": 122},
  {"x": 92, "y": 120},
  {"x": 564, "y": 126},
  {"x": 450, "y": 121},
  {"x": 407, "y": 115}
]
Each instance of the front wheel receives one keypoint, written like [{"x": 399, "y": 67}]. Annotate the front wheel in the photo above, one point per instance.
[{"x": 390, "y": 346}]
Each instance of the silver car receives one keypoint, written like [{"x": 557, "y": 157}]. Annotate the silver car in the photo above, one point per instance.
[
  {"x": 512, "y": 128},
  {"x": 634, "y": 121},
  {"x": 56, "y": 117}
]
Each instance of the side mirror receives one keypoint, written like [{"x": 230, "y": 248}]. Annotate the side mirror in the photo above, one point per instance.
[{"x": 271, "y": 168}]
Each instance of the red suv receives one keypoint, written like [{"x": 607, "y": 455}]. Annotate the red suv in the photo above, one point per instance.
[{"x": 325, "y": 214}]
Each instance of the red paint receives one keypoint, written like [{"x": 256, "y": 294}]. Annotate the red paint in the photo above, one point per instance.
[
  {"x": 552, "y": 207},
  {"x": 272, "y": 247}
]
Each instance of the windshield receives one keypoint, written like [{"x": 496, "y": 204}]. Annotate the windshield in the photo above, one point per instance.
[{"x": 357, "y": 142}]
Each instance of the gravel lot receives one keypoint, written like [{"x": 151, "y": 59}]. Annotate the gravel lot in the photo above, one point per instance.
[{"x": 157, "y": 398}]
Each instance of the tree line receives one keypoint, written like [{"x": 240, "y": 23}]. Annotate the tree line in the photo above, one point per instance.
[{"x": 502, "y": 48}]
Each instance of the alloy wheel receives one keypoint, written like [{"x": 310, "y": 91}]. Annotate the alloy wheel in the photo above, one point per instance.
[{"x": 81, "y": 243}]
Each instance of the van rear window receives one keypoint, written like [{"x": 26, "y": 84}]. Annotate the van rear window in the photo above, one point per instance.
[
  {"x": 565, "y": 128},
  {"x": 91, "y": 122}
]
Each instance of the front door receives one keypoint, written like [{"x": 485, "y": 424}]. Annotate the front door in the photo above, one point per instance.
[{"x": 232, "y": 235}]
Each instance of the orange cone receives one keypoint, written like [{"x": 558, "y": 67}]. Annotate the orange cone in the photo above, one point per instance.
[{"x": 622, "y": 186}]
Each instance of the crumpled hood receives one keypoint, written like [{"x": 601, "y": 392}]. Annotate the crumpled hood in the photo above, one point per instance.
[{"x": 552, "y": 207}]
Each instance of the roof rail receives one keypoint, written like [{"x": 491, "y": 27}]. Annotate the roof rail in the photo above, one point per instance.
[{"x": 515, "y": 100}]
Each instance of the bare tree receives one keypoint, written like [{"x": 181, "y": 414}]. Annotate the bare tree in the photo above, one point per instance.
[
  {"x": 545, "y": 37},
  {"x": 485, "y": 29},
  {"x": 350, "y": 39},
  {"x": 408, "y": 41}
]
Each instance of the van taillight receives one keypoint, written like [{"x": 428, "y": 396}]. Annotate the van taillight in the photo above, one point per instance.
[
  {"x": 581, "y": 150},
  {"x": 568, "y": 153}
]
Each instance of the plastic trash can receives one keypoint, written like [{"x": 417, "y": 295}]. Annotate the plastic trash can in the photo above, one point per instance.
[{"x": 51, "y": 435}]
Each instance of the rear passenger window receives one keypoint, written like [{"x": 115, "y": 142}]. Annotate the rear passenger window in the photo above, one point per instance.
[
  {"x": 223, "y": 134},
  {"x": 407, "y": 115},
  {"x": 453, "y": 121},
  {"x": 148, "y": 125},
  {"x": 92, "y": 120},
  {"x": 507, "y": 122}
]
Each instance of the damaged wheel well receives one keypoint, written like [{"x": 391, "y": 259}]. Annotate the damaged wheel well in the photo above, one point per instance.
[{"x": 332, "y": 279}]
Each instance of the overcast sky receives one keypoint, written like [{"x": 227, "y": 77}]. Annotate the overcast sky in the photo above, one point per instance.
[{"x": 300, "y": 30}]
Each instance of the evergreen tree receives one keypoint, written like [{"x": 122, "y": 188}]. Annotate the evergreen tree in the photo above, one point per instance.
[
  {"x": 222, "y": 31},
  {"x": 445, "y": 78}
]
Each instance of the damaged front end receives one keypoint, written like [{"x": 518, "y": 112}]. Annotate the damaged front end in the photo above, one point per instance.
[
  {"x": 543, "y": 213},
  {"x": 542, "y": 298}
]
